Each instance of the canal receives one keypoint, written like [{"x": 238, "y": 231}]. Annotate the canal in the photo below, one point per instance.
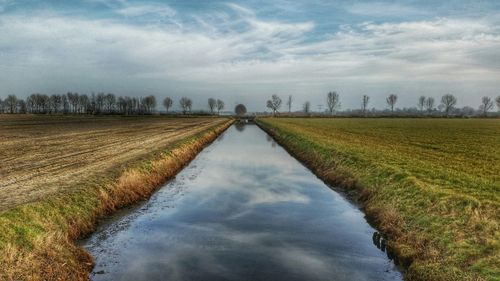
[{"x": 244, "y": 209}]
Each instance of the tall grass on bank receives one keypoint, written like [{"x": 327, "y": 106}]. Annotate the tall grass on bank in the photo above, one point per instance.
[
  {"x": 37, "y": 239},
  {"x": 431, "y": 186}
]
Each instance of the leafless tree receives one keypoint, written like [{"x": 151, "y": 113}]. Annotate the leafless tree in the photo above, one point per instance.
[
  {"x": 274, "y": 103},
  {"x": 167, "y": 103},
  {"x": 109, "y": 102},
  {"x": 421, "y": 103},
  {"x": 429, "y": 104},
  {"x": 212, "y": 104},
  {"x": 123, "y": 105},
  {"x": 448, "y": 101},
  {"x": 99, "y": 102},
  {"x": 44, "y": 103},
  {"x": 55, "y": 103},
  {"x": 149, "y": 104},
  {"x": 1, "y": 106},
  {"x": 391, "y": 101},
  {"x": 240, "y": 110},
  {"x": 467, "y": 111},
  {"x": 289, "y": 103},
  {"x": 364, "y": 103},
  {"x": 185, "y": 104},
  {"x": 38, "y": 103},
  {"x": 73, "y": 100},
  {"x": 83, "y": 103},
  {"x": 486, "y": 105},
  {"x": 497, "y": 101},
  {"x": 30, "y": 104},
  {"x": 21, "y": 106},
  {"x": 306, "y": 107},
  {"x": 220, "y": 106},
  {"x": 332, "y": 101},
  {"x": 11, "y": 103},
  {"x": 92, "y": 108},
  {"x": 65, "y": 104}
]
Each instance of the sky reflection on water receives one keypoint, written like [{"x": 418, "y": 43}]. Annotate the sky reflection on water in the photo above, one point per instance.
[{"x": 242, "y": 210}]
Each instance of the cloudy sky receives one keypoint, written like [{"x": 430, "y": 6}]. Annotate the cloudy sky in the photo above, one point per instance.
[{"x": 245, "y": 51}]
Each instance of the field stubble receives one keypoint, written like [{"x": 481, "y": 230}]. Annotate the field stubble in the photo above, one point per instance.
[{"x": 43, "y": 155}]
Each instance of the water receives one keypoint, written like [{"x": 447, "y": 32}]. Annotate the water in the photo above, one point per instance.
[{"x": 244, "y": 209}]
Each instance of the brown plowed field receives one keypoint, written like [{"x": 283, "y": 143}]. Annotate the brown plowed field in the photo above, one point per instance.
[{"x": 43, "y": 155}]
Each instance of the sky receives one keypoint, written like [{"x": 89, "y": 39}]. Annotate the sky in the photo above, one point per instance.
[{"x": 245, "y": 51}]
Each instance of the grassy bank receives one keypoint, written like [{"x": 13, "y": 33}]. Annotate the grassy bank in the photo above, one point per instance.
[
  {"x": 37, "y": 238},
  {"x": 431, "y": 186}
]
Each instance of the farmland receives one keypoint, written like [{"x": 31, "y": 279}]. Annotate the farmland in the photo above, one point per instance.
[
  {"x": 59, "y": 174},
  {"x": 431, "y": 185},
  {"x": 43, "y": 155}
]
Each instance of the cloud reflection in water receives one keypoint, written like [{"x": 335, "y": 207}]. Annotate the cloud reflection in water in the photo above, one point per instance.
[{"x": 243, "y": 210}]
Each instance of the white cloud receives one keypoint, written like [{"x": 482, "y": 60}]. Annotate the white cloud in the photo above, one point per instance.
[
  {"x": 382, "y": 9},
  {"x": 247, "y": 50},
  {"x": 134, "y": 10}
]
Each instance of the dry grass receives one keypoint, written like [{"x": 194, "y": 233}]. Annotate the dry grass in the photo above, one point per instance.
[
  {"x": 42, "y": 155},
  {"x": 432, "y": 186},
  {"x": 37, "y": 238}
]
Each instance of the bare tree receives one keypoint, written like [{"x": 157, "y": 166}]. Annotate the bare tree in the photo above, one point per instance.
[
  {"x": 212, "y": 104},
  {"x": 306, "y": 107},
  {"x": 99, "y": 102},
  {"x": 220, "y": 106},
  {"x": 44, "y": 102},
  {"x": 333, "y": 101},
  {"x": 364, "y": 103},
  {"x": 65, "y": 104},
  {"x": 429, "y": 104},
  {"x": 421, "y": 103},
  {"x": 448, "y": 101},
  {"x": 391, "y": 101},
  {"x": 38, "y": 103},
  {"x": 11, "y": 103},
  {"x": 149, "y": 103},
  {"x": 21, "y": 106},
  {"x": 83, "y": 103},
  {"x": 122, "y": 105},
  {"x": 274, "y": 103},
  {"x": 240, "y": 110},
  {"x": 1, "y": 106},
  {"x": 55, "y": 103},
  {"x": 135, "y": 105},
  {"x": 109, "y": 102},
  {"x": 92, "y": 104},
  {"x": 167, "y": 103},
  {"x": 486, "y": 105},
  {"x": 497, "y": 101},
  {"x": 289, "y": 103},
  {"x": 185, "y": 104},
  {"x": 73, "y": 100}
]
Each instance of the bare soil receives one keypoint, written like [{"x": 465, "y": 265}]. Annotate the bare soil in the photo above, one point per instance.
[{"x": 42, "y": 155}]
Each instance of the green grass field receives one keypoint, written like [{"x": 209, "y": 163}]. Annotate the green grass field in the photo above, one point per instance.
[{"x": 432, "y": 186}]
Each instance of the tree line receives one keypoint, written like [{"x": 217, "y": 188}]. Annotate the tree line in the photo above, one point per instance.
[
  {"x": 425, "y": 105},
  {"x": 108, "y": 103},
  {"x": 100, "y": 103}
]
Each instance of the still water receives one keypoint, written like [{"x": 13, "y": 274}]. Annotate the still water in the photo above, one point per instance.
[{"x": 244, "y": 209}]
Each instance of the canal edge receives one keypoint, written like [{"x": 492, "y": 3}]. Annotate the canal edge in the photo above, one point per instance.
[
  {"x": 347, "y": 186},
  {"x": 71, "y": 216}
]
